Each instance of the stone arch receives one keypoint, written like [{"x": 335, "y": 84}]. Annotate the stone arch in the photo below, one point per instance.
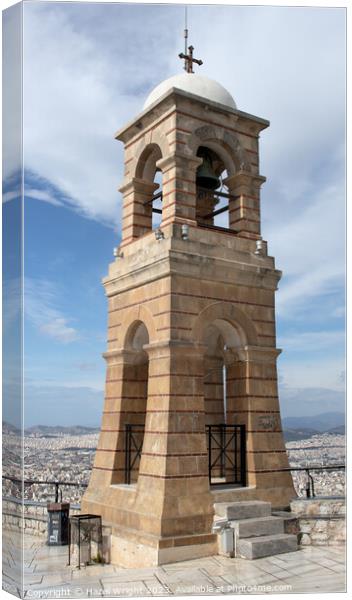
[
  {"x": 236, "y": 328},
  {"x": 146, "y": 162},
  {"x": 225, "y": 144},
  {"x": 137, "y": 316},
  {"x": 137, "y": 336},
  {"x": 146, "y": 155}
]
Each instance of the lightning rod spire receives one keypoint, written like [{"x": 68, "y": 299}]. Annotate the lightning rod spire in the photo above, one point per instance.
[{"x": 188, "y": 58}]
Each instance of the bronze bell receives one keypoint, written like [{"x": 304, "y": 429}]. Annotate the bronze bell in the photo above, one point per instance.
[{"x": 206, "y": 177}]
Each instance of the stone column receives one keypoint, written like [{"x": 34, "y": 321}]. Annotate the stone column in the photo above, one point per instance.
[
  {"x": 173, "y": 497},
  {"x": 136, "y": 214},
  {"x": 244, "y": 211},
  {"x": 254, "y": 402},
  {"x": 179, "y": 201}
]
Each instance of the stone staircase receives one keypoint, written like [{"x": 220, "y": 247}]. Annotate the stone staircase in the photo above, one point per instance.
[{"x": 256, "y": 532}]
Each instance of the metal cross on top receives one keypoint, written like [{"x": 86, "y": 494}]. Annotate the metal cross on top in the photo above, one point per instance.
[{"x": 189, "y": 60}]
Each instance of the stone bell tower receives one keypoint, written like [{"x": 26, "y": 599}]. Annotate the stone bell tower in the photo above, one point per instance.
[{"x": 191, "y": 413}]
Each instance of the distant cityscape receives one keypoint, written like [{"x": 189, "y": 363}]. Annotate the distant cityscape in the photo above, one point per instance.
[{"x": 67, "y": 454}]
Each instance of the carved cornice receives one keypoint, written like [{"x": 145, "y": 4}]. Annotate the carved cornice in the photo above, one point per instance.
[
  {"x": 138, "y": 185},
  {"x": 122, "y": 356},
  {"x": 261, "y": 354},
  {"x": 244, "y": 178}
]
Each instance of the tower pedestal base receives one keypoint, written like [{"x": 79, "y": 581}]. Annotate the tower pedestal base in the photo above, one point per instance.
[
  {"x": 132, "y": 549},
  {"x": 132, "y": 545}
]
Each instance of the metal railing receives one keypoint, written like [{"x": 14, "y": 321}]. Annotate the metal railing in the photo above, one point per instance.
[
  {"x": 57, "y": 492},
  {"x": 310, "y": 489},
  {"x": 134, "y": 453},
  {"x": 134, "y": 436},
  {"x": 226, "y": 454}
]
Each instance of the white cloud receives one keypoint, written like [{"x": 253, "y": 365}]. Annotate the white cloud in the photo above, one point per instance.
[
  {"x": 11, "y": 195},
  {"x": 310, "y": 249},
  {"x": 69, "y": 114},
  {"x": 312, "y": 340},
  {"x": 313, "y": 371},
  {"x": 58, "y": 329},
  {"x": 40, "y": 307},
  {"x": 288, "y": 65},
  {"x": 314, "y": 236},
  {"x": 298, "y": 402},
  {"x": 99, "y": 63},
  {"x": 43, "y": 196},
  {"x": 11, "y": 90},
  {"x": 87, "y": 83}
]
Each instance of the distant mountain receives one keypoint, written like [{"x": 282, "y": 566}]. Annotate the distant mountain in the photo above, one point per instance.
[
  {"x": 310, "y": 401},
  {"x": 320, "y": 423},
  {"x": 48, "y": 430},
  {"x": 293, "y": 435},
  {"x": 295, "y": 428},
  {"x": 338, "y": 430}
]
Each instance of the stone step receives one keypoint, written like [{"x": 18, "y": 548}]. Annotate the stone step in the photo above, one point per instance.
[
  {"x": 258, "y": 526},
  {"x": 268, "y": 545},
  {"x": 235, "y": 511},
  {"x": 291, "y": 522}
]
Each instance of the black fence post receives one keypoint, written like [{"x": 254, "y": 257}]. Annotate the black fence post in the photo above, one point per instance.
[
  {"x": 56, "y": 492},
  {"x": 243, "y": 455},
  {"x": 237, "y": 471},
  {"x": 311, "y": 481},
  {"x": 222, "y": 434},
  {"x": 69, "y": 542},
  {"x": 128, "y": 454},
  {"x": 79, "y": 544},
  {"x": 209, "y": 452}
]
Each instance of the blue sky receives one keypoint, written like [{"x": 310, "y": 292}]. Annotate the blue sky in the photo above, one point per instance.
[{"x": 87, "y": 70}]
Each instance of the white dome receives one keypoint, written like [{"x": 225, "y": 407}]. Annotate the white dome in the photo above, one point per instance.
[{"x": 194, "y": 84}]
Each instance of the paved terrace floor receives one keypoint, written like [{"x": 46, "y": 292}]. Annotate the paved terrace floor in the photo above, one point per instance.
[{"x": 46, "y": 574}]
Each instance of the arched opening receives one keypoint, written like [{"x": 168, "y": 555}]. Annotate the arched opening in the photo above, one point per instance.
[
  {"x": 136, "y": 337},
  {"x": 152, "y": 179},
  {"x": 221, "y": 340},
  {"x": 135, "y": 394},
  {"x": 212, "y": 194},
  {"x": 224, "y": 420},
  {"x": 157, "y": 200}
]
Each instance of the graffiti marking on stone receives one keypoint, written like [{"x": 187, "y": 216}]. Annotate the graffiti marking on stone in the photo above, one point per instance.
[{"x": 268, "y": 422}]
